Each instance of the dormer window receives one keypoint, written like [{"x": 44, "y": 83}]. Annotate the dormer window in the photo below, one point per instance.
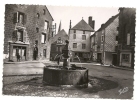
[{"x": 59, "y": 40}]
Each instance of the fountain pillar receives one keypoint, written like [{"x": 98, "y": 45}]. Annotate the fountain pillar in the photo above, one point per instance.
[{"x": 65, "y": 51}]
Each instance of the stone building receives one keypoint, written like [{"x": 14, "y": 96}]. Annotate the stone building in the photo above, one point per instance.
[
  {"x": 58, "y": 43},
  {"x": 26, "y": 26},
  {"x": 106, "y": 42},
  {"x": 79, "y": 39},
  {"x": 126, "y": 37}
]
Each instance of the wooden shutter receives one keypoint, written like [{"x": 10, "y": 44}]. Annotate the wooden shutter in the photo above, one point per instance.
[
  {"x": 24, "y": 36},
  {"x": 25, "y": 19},
  {"x": 44, "y": 38},
  {"x": 128, "y": 39},
  {"x": 15, "y": 17},
  {"x": 14, "y": 36}
]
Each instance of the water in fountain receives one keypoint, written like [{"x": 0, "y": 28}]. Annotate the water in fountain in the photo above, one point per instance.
[
  {"x": 79, "y": 60},
  {"x": 55, "y": 56},
  {"x": 68, "y": 74}
]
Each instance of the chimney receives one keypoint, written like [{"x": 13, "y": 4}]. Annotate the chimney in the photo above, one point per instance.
[
  {"x": 70, "y": 25},
  {"x": 102, "y": 25},
  {"x": 93, "y": 24},
  {"x": 55, "y": 28},
  {"x": 90, "y": 21}
]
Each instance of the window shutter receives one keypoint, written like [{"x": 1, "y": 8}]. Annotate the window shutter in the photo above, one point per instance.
[
  {"x": 14, "y": 36},
  {"x": 45, "y": 38},
  {"x": 25, "y": 19},
  {"x": 128, "y": 39},
  {"x": 15, "y": 17},
  {"x": 24, "y": 36}
]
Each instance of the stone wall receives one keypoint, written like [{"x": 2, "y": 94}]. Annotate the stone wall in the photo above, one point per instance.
[{"x": 32, "y": 22}]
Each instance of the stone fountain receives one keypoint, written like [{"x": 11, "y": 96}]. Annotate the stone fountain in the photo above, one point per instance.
[{"x": 66, "y": 75}]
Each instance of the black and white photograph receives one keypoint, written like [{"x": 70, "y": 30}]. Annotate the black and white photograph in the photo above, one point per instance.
[{"x": 68, "y": 51}]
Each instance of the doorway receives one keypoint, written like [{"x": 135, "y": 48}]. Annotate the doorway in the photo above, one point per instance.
[
  {"x": 114, "y": 61},
  {"x": 19, "y": 50},
  {"x": 99, "y": 57}
]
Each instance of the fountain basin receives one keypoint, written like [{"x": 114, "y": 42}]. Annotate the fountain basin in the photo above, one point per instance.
[{"x": 77, "y": 77}]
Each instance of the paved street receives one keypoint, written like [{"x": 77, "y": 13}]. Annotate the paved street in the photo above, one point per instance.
[{"x": 124, "y": 78}]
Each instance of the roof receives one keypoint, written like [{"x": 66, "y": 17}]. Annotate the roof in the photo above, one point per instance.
[
  {"x": 82, "y": 25},
  {"x": 49, "y": 13},
  {"x": 108, "y": 22},
  {"x": 61, "y": 34}
]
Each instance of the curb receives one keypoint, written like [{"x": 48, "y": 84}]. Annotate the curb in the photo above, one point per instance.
[
  {"x": 27, "y": 62},
  {"x": 119, "y": 68}
]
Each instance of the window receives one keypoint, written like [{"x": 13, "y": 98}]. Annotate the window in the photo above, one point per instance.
[
  {"x": 58, "y": 49},
  {"x": 117, "y": 28},
  {"x": 36, "y": 42},
  {"x": 44, "y": 52},
  {"x": 128, "y": 39},
  {"x": 101, "y": 48},
  {"x": 83, "y": 37},
  {"x": 19, "y": 17},
  {"x": 74, "y": 36},
  {"x": 103, "y": 31},
  {"x": 102, "y": 38},
  {"x": 46, "y": 25},
  {"x": 43, "y": 38},
  {"x": 83, "y": 32},
  {"x": 38, "y": 15},
  {"x": 126, "y": 57},
  {"x": 44, "y": 11},
  {"x": 74, "y": 45},
  {"x": 95, "y": 47},
  {"x": 80, "y": 54},
  {"x": 116, "y": 38},
  {"x": 59, "y": 40},
  {"x": 37, "y": 30},
  {"x": 96, "y": 38},
  {"x": 20, "y": 35},
  {"x": 74, "y": 31},
  {"x": 83, "y": 46}
]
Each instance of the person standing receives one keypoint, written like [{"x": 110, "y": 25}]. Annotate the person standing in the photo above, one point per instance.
[{"x": 35, "y": 52}]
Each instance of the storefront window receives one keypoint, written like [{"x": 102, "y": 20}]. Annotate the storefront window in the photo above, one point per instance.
[{"x": 125, "y": 57}]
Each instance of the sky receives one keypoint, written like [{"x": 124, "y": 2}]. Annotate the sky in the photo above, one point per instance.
[{"x": 75, "y": 14}]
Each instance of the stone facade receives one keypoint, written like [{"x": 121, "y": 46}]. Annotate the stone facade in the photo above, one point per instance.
[
  {"x": 105, "y": 41},
  {"x": 58, "y": 43},
  {"x": 79, "y": 40},
  {"x": 126, "y": 37},
  {"x": 34, "y": 18}
]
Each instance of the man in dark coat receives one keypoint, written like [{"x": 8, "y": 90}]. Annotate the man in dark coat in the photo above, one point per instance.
[{"x": 35, "y": 52}]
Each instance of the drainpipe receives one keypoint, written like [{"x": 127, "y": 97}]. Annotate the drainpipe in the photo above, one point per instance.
[{"x": 104, "y": 47}]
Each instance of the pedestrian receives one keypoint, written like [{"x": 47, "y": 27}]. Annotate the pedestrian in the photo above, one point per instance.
[{"x": 18, "y": 57}]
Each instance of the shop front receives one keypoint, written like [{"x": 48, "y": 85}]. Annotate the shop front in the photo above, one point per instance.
[{"x": 18, "y": 50}]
